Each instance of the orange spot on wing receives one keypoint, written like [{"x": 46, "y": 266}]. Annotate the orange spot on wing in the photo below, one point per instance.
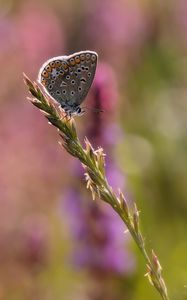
[
  {"x": 48, "y": 68},
  {"x": 65, "y": 65},
  {"x": 52, "y": 64},
  {"x": 43, "y": 82},
  {"x": 58, "y": 64},
  {"x": 45, "y": 74},
  {"x": 77, "y": 59}
]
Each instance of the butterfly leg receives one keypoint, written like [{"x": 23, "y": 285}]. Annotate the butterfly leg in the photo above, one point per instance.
[
  {"x": 65, "y": 112},
  {"x": 69, "y": 115}
]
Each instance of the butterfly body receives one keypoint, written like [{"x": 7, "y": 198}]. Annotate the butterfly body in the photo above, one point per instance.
[{"x": 68, "y": 79}]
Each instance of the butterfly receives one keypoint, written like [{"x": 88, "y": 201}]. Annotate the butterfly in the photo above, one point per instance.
[{"x": 68, "y": 79}]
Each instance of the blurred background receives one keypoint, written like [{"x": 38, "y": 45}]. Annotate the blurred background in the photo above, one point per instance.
[{"x": 55, "y": 242}]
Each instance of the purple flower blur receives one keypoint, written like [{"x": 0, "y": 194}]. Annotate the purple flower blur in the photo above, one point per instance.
[
  {"x": 34, "y": 241},
  {"x": 99, "y": 235},
  {"x": 180, "y": 18},
  {"x": 34, "y": 34},
  {"x": 122, "y": 28}
]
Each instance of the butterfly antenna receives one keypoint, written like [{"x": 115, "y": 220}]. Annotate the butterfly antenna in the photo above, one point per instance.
[{"x": 96, "y": 110}]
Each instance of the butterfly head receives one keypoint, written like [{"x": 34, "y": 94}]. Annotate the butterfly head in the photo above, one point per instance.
[{"x": 73, "y": 110}]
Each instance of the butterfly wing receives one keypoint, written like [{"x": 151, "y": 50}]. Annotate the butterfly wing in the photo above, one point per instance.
[{"x": 68, "y": 78}]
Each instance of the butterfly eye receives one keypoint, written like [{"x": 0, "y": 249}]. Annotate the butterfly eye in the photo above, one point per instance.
[
  {"x": 52, "y": 81},
  {"x": 58, "y": 93},
  {"x": 80, "y": 89},
  {"x": 89, "y": 74},
  {"x": 82, "y": 68},
  {"x": 87, "y": 56},
  {"x": 73, "y": 81},
  {"x": 50, "y": 86},
  {"x": 86, "y": 68},
  {"x": 61, "y": 72},
  {"x": 79, "y": 70},
  {"x": 64, "y": 92},
  {"x": 72, "y": 93},
  {"x": 67, "y": 77}
]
